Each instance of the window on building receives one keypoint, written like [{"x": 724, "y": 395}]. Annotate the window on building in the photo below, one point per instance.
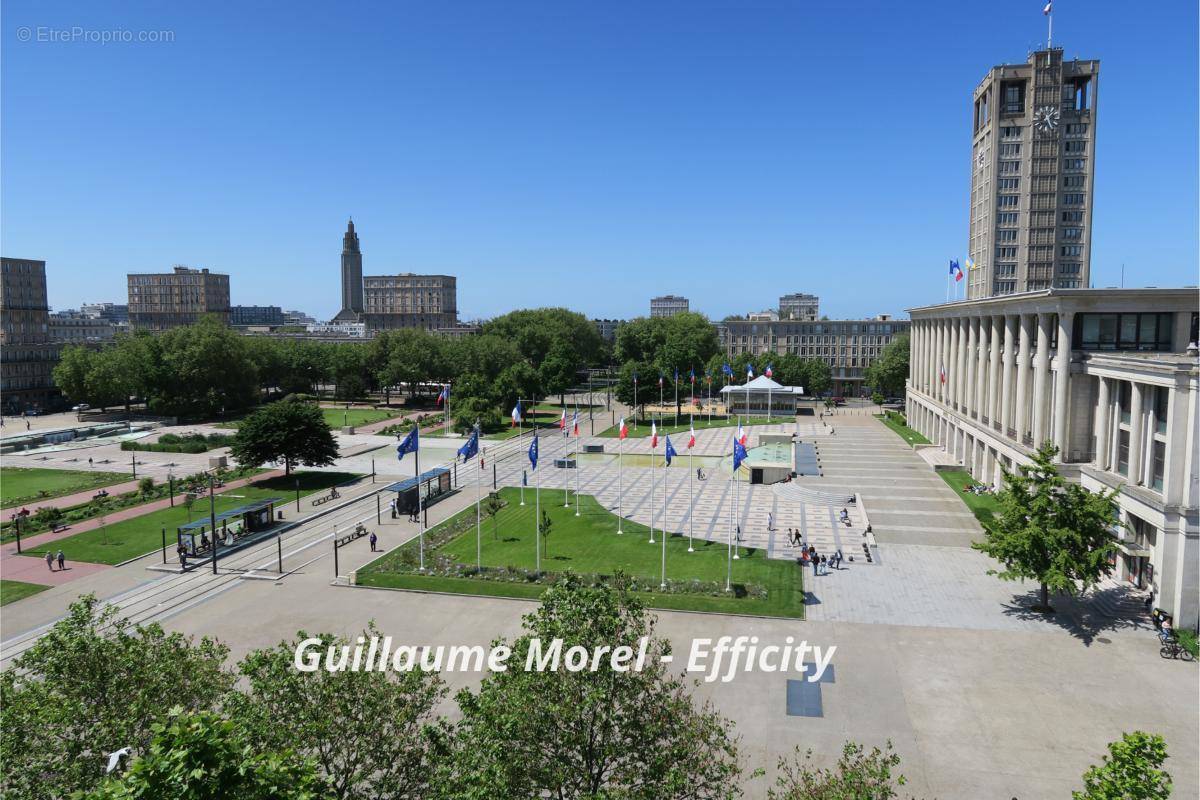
[
  {"x": 1162, "y": 400},
  {"x": 1071, "y": 250},
  {"x": 1072, "y": 233},
  {"x": 1073, "y": 163},
  {"x": 1006, "y": 252},
  {"x": 1006, "y": 270},
  {"x": 1146, "y": 331},
  {"x": 1073, "y": 181},
  {"x": 1072, "y": 216},
  {"x": 1123, "y": 453},
  {"x": 1007, "y": 201},
  {"x": 1010, "y": 132},
  {"x": 1007, "y": 218},
  {"x": 1012, "y": 95},
  {"x": 1009, "y": 184},
  {"x": 1073, "y": 199},
  {"x": 1006, "y": 235},
  {"x": 1076, "y": 128},
  {"x": 1158, "y": 464}
]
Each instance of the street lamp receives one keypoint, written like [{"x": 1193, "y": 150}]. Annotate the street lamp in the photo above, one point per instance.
[{"x": 171, "y": 487}]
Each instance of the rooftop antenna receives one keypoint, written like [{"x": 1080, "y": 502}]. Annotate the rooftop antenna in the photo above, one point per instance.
[{"x": 1122, "y": 274}]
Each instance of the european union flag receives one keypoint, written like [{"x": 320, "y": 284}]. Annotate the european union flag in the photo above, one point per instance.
[
  {"x": 533, "y": 451},
  {"x": 670, "y": 451},
  {"x": 739, "y": 454},
  {"x": 728, "y": 370},
  {"x": 410, "y": 444},
  {"x": 471, "y": 448}
]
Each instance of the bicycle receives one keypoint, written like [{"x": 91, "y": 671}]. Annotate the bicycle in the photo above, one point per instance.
[{"x": 1171, "y": 648}]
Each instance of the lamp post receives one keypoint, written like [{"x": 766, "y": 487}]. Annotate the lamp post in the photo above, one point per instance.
[{"x": 171, "y": 487}]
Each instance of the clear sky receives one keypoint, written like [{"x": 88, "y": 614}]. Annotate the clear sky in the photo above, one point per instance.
[{"x": 571, "y": 153}]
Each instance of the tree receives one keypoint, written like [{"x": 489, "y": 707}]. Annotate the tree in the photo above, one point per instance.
[
  {"x": 857, "y": 776},
  {"x": 100, "y": 508},
  {"x": 492, "y": 506},
  {"x": 364, "y": 729},
  {"x": 207, "y": 369},
  {"x": 202, "y": 756},
  {"x": 557, "y": 371},
  {"x": 602, "y": 733},
  {"x": 878, "y": 400},
  {"x": 544, "y": 532},
  {"x": 91, "y": 685},
  {"x": 888, "y": 372},
  {"x": 291, "y": 431},
  {"x": 1132, "y": 770},
  {"x": 1051, "y": 531},
  {"x": 71, "y": 372}
]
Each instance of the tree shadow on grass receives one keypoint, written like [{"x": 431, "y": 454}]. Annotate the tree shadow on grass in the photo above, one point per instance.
[{"x": 1098, "y": 611}]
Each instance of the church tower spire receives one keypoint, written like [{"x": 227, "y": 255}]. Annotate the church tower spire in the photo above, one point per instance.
[{"x": 352, "y": 283}]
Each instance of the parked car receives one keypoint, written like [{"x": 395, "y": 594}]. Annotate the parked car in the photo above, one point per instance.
[
  {"x": 839, "y": 401},
  {"x": 80, "y": 407}
]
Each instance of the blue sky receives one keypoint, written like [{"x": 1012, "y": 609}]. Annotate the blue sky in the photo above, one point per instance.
[{"x": 565, "y": 153}]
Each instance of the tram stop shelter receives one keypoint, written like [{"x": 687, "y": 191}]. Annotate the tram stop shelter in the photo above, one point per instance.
[
  {"x": 762, "y": 397},
  {"x": 235, "y": 527},
  {"x": 421, "y": 491}
]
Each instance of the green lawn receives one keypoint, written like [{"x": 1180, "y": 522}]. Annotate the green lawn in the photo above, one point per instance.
[
  {"x": 28, "y": 485},
  {"x": 897, "y": 423},
  {"x": 589, "y": 544},
  {"x": 337, "y": 417},
  {"x": 12, "y": 591},
  {"x": 643, "y": 428},
  {"x": 134, "y": 537},
  {"x": 983, "y": 506}
]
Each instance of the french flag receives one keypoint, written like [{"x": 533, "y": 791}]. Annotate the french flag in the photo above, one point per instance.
[
  {"x": 562, "y": 421},
  {"x": 622, "y": 429},
  {"x": 942, "y": 372},
  {"x": 653, "y": 435},
  {"x": 692, "y": 438},
  {"x": 575, "y": 423},
  {"x": 516, "y": 414},
  {"x": 741, "y": 437},
  {"x": 749, "y": 372},
  {"x": 444, "y": 395},
  {"x": 769, "y": 373}
]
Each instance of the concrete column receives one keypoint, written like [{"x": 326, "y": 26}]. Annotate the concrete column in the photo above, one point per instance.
[
  {"x": 1137, "y": 430},
  {"x": 997, "y": 474},
  {"x": 1006, "y": 380},
  {"x": 972, "y": 361},
  {"x": 981, "y": 384},
  {"x": 1062, "y": 384},
  {"x": 1102, "y": 415},
  {"x": 1022, "y": 414},
  {"x": 939, "y": 387},
  {"x": 952, "y": 369},
  {"x": 927, "y": 357},
  {"x": 994, "y": 370},
  {"x": 963, "y": 384},
  {"x": 1114, "y": 414},
  {"x": 914, "y": 358},
  {"x": 1041, "y": 366}
]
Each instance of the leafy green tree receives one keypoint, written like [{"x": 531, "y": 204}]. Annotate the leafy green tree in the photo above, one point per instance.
[
  {"x": 349, "y": 361},
  {"x": 1132, "y": 770},
  {"x": 544, "y": 531},
  {"x": 492, "y": 506},
  {"x": 587, "y": 734},
  {"x": 91, "y": 685},
  {"x": 71, "y": 372},
  {"x": 878, "y": 399},
  {"x": 535, "y": 330},
  {"x": 558, "y": 370},
  {"x": 291, "y": 431},
  {"x": 201, "y": 756},
  {"x": 1049, "y": 530},
  {"x": 364, "y": 729},
  {"x": 106, "y": 383},
  {"x": 858, "y": 775},
  {"x": 888, "y": 373},
  {"x": 208, "y": 369}
]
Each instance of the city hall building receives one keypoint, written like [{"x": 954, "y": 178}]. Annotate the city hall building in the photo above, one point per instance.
[{"x": 1110, "y": 377}]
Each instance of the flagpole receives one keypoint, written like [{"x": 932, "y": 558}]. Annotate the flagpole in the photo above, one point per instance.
[
  {"x": 635, "y": 405},
  {"x": 737, "y": 508},
  {"x": 676, "y": 398},
  {"x": 478, "y": 514},
  {"x": 652, "y": 481},
  {"x": 1049, "y": 26},
  {"x": 620, "y": 491},
  {"x": 578, "y": 463},
  {"x": 420, "y": 516},
  {"x": 663, "y": 584},
  {"x": 691, "y": 500},
  {"x": 537, "y": 514},
  {"x": 729, "y": 537},
  {"x": 566, "y": 445}
]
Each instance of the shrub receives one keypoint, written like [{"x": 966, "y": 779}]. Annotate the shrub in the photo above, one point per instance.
[{"x": 146, "y": 485}]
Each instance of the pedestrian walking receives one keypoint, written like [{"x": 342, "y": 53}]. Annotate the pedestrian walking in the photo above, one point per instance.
[
  {"x": 26, "y": 424},
  {"x": 89, "y": 463},
  {"x": 50, "y": 560},
  {"x": 770, "y": 521},
  {"x": 62, "y": 560},
  {"x": 824, "y": 565},
  {"x": 837, "y": 559},
  {"x": 739, "y": 533},
  {"x": 373, "y": 539},
  {"x": 816, "y": 562}
]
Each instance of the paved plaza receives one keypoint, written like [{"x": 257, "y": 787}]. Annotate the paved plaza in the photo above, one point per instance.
[{"x": 981, "y": 697}]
